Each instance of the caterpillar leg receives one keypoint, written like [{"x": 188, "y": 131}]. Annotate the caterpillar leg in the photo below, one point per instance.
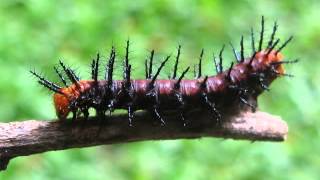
[
  {"x": 74, "y": 115},
  {"x": 130, "y": 114},
  {"x": 111, "y": 105},
  {"x": 244, "y": 101},
  {"x": 153, "y": 95},
  {"x": 181, "y": 108},
  {"x": 85, "y": 113},
  {"x": 243, "y": 94},
  {"x": 212, "y": 107},
  {"x": 157, "y": 114}
]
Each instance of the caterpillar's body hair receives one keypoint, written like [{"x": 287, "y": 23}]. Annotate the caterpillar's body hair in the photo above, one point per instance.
[{"x": 246, "y": 78}]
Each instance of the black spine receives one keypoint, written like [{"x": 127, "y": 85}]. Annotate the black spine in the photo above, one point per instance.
[
  {"x": 275, "y": 26},
  {"x": 229, "y": 72},
  {"x": 200, "y": 63},
  {"x": 150, "y": 64},
  {"x": 261, "y": 33},
  {"x": 273, "y": 46},
  {"x": 241, "y": 50},
  {"x": 284, "y": 44},
  {"x": 127, "y": 68},
  {"x": 70, "y": 73},
  {"x": 109, "y": 68},
  {"x": 60, "y": 76},
  {"x": 235, "y": 53},
  {"x": 177, "y": 84},
  {"x": 151, "y": 84},
  {"x": 220, "y": 67},
  {"x": 176, "y": 63},
  {"x": 46, "y": 83}
]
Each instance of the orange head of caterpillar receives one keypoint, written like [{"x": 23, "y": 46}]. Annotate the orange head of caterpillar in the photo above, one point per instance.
[
  {"x": 62, "y": 101},
  {"x": 65, "y": 98},
  {"x": 271, "y": 57},
  {"x": 62, "y": 105}
]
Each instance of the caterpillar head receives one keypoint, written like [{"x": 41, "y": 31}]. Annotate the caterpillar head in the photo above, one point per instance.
[
  {"x": 68, "y": 99},
  {"x": 62, "y": 105},
  {"x": 270, "y": 58},
  {"x": 63, "y": 100}
]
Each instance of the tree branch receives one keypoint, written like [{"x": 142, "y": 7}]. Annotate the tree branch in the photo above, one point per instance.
[{"x": 30, "y": 137}]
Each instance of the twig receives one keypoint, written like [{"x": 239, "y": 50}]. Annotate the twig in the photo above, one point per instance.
[{"x": 30, "y": 137}]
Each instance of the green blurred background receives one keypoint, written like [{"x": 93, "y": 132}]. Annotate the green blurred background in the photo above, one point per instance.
[{"x": 36, "y": 34}]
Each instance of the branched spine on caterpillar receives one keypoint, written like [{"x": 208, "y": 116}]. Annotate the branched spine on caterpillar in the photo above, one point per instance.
[{"x": 249, "y": 77}]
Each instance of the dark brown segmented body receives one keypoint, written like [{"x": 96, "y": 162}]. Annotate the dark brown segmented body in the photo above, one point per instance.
[{"x": 248, "y": 78}]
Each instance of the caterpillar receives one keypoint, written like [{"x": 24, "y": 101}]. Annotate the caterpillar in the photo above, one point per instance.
[{"x": 246, "y": 78}]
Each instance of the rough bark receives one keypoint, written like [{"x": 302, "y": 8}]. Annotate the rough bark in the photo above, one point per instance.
[{"x": 33, "y": 136}]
